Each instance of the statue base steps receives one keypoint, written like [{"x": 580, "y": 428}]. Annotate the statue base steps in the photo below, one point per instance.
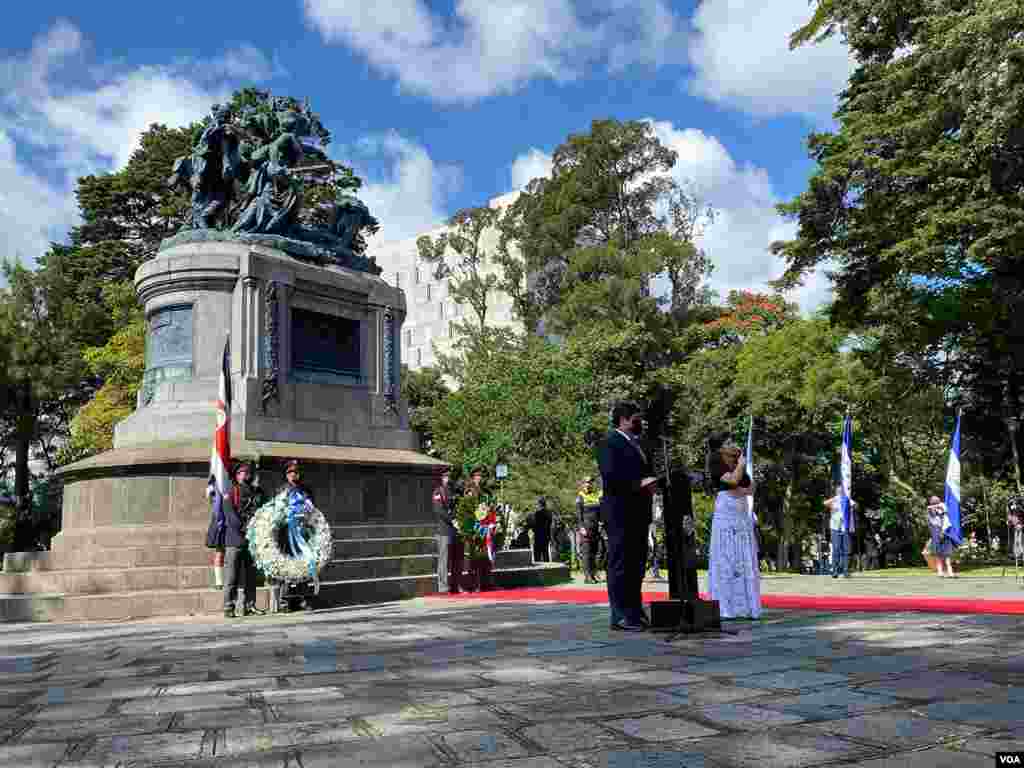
[{"x": 369, "y": 568}]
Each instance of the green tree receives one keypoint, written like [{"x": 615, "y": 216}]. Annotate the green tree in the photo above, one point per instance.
[
  {"x": 594, "y": 221},
  {"x": 120, "y": 364},
  {"x": 42, "y": 331},
  {"x": 424, "y": 390},
  {"x": 526, "y": 403},
  {"x": 916, "y": 198},
  {"x": 469, "y": 282}
]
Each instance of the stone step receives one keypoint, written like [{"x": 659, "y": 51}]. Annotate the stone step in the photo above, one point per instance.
[
  {"x": 379, "y": 567},
  {"x": 93, "y": 581},
  {"x": 81, "y": 581},
  {"x": 348, "y": 549},
  {"x": 513, "y": 558},
  {"x": 125, "y": 557},
  {"x": 537, "y": 575},
  {"x": 396, "y": 531},
  {"x": 51, "y": 606}
]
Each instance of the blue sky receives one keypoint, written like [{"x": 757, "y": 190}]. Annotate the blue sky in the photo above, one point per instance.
[{"x": 437, "y": 106}]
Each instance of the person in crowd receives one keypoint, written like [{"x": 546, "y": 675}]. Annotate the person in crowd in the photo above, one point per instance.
[
  {"x": 1015, "y": 524},
  {"x": 655, "y": 533},
  {"x": 839, "y": 533},
  {"x": 239, "y": 567},
  {"x": 939, "y": 526},
  {"x": 541, "y": 524},
  {"x": 284, "y": 595},
  {"x": 629, "y": 484},
  {"x": 451, "y": 550},
  {"x": 871, "y": 553},
  {"x": 733, "y": 576},
  {"x": 215, "y": 532},
  {"x": 588, "y": 520}
]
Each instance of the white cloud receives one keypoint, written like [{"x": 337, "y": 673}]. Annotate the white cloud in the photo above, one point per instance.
[
  {"x": 33, "y": 213},
  {"x": 245, "y": 62},
  {"x": 496, "y": 46},
  {"x": 91, "y": 128},
  {"x": 739, "y": 50},
  {"x": 411, "y": 196},
  {"x": 532, "y": 164},
  {"x": 746, "y": 222}
]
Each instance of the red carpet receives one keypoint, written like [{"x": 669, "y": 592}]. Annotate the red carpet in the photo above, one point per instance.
[{"x": 853, "y": 603}]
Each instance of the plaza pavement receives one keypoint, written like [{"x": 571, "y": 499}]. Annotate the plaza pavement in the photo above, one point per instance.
[
  {"x": 441, "y": 682},
  {"x": 863, "y": 584}
]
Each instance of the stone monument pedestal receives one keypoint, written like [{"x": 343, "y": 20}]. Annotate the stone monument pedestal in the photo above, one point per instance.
[{"x": 314, "y": 366}]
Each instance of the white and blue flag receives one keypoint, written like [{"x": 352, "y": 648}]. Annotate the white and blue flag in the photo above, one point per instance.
[
  {"x": 750, "y": 467},
  {"x": 846, "y": 476},
  {"x": 953, "y": 487}
]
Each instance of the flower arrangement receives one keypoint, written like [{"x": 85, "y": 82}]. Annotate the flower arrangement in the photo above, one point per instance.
[
  {"x": 307, "y": 530},
  {"x": 477, "y": 522}
]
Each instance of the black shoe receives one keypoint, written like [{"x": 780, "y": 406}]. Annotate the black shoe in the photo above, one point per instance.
[
  {"x": 627, "y": 626},
  {"x": 252, "y": 610},
  {"x": 229, "y": 613}
]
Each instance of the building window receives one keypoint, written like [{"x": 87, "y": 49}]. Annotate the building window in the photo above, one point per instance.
[
  {"x": 428, "y": 291},
  {"x": 419, "y": 357},
  {"x": 440, "y": 311},
  {"x": 325, "y": 345},
  {"x": 398, "y": 279},
  {"x": 416, "y": 276},
  {"x": 451, "y": 330},
  {"x": 408, "y": 337}
]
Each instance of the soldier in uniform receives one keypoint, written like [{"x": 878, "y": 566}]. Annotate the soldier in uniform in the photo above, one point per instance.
[
  {"x": 588, "y": 519},
  {"x": 283, "y": 594},
  {"x": 451, "y": 550},
  {"x": 239, "y": 567}
]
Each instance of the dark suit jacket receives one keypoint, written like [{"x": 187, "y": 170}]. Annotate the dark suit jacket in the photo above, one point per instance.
[
  {"x": 444, "y": 509},
  {"x": 622, "y": 468}
]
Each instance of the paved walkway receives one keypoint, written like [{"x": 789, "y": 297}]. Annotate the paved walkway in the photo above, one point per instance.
[
  {"x": 870, "y": 583},
  {"x": 438, "y": 682}
]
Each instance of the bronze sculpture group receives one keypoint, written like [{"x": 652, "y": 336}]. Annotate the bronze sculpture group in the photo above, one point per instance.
[{"x": 260, "y": 172}]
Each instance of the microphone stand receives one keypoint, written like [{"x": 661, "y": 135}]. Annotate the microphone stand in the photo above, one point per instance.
[{"x": 684, "y": 613}]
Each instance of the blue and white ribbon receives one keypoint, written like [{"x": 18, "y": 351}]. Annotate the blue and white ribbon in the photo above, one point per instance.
[{"x": 298, "y": 504}]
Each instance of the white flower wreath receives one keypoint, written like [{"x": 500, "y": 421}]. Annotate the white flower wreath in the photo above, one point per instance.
[{"x": 276, "y": 564}]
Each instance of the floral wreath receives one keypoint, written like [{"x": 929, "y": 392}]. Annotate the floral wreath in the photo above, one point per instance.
[
  {"x": 477, "y": 522},
  {"x": 309, "y": 539}
]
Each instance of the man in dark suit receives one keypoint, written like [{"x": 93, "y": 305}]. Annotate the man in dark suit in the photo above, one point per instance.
[
  {"x": 629, "y": 487},
  {"x": 451, "y": 550}
]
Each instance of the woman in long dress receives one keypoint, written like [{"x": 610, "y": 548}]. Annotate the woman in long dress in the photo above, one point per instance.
[
  {"x": 942, "y": 544},
  {"x": 734, "y": 577}
]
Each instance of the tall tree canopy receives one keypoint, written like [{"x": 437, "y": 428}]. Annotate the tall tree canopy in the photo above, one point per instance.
[{"x": 917, "y": 199}]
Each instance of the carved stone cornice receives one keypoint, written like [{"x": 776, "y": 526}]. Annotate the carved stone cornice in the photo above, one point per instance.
[{"x": 161, "y": 276}]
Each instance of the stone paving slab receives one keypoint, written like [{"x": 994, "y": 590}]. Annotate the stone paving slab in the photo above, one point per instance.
[
  {"x": 433, "y": 683},
  {"x": 931, "y": 758},
  {"x": 905, "y": 729}
]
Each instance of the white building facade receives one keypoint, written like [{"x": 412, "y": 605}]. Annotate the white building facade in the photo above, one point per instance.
[{"x": 431, "y": 314}]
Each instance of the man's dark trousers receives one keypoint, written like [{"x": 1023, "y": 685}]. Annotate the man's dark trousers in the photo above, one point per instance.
[
  {"x": 239, "y": 573},
  {"x": 840, "y": 553}
]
